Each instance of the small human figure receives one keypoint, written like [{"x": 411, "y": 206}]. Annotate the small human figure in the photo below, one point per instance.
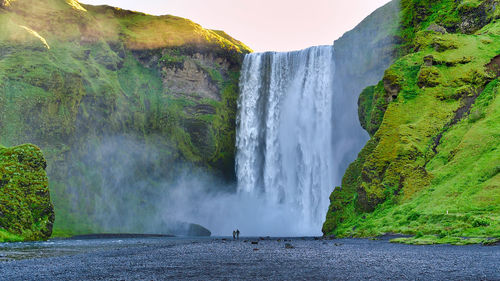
[
  {"x": 237, "y": 234},
  {"x": 234, "y": 234}
]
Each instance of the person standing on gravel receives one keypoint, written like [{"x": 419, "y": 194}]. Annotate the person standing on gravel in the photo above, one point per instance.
[
  {"x": 234, "y": 234},
  {"x": 237, "y": 234}
]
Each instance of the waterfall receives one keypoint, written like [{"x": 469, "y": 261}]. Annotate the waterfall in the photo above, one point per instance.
[
  {"x": 297, "y": 131},
  {"x": 285, "y": 135}
]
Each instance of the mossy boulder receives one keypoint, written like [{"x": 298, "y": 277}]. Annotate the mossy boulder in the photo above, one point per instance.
[
  {"x": 26, "y": 211},
  {"x": 428, "y": 77},
  {"x": 441, "y": 45},
  {"x": 437, "y": 28}
]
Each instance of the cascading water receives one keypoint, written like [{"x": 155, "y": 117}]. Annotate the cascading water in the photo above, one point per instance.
[
  {"x": 285, "y": 145},
  {"x": 297, "y": 131}
]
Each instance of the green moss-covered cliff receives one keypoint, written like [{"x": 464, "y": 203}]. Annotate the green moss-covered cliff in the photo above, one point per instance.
[
  {"x": 431, "y": 167},
  {"x": 96, "y": 86},
  {"x": 26, "y": 212}
]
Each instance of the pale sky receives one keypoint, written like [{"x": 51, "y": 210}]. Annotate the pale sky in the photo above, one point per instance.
[{"x": 264, "y": 25}]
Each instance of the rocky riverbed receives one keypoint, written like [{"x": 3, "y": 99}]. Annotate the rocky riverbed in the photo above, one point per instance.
[{"x": 162, "y": 258}]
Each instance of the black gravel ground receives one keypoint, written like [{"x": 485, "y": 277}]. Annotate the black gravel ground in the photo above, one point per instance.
[{"x": 224, "y": 259}]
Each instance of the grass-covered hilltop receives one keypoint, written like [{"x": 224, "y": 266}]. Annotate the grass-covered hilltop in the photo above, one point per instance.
[
  {"x": 95, "y": 86},
  {"x": 431, "y": 168}
]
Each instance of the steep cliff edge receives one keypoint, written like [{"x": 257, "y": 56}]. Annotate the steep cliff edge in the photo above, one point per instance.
[
  {"x": 431, "y": 166},
  {"x": 119, "y": 101},
  {"x": 361, "y": 56},
  {"x": 26, "y": 212}
]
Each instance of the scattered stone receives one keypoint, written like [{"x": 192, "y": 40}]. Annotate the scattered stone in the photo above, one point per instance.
[
  {"x": 330, "y": 237},
  {"x": 437, "y": 28},
  {"x": 255, "y": 249},
  {"x": 255, "y": 242},
  {"x": 429, "y": 60},
  {"x": 289, "y": 246}
]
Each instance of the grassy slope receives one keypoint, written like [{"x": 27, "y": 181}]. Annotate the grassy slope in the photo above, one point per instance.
[
  {"x": 80, "y": 73},
  {"x": 428, "y": 170}
]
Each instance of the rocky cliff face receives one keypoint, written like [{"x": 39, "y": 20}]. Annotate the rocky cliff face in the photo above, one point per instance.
[
  {"x": 431, "y": 165},
  {"x": 90, "y": 85},
  {"x": 361, "y": 56},
  {"x": 26, "y": 212}
]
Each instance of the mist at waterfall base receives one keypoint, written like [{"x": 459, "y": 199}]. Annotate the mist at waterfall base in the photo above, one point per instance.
[
  {"x": 129, "y": 188},
  {"x": 292, "y": 145},
  {"x": 296, "y": 134}
]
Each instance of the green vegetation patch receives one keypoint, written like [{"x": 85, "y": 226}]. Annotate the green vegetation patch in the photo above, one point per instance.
[
  {"x": 26, "y": 212},
  {"x": 104, "y": 77},
  {"x": 431, "y": 240},
  {"x": 431, "y": 166},
  {"x": 9, "y": 237}
]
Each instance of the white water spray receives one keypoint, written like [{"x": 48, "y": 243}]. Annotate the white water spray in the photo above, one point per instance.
[
  {"x": 285, "y": 134},
  {"x": 297, "y": 132}
]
